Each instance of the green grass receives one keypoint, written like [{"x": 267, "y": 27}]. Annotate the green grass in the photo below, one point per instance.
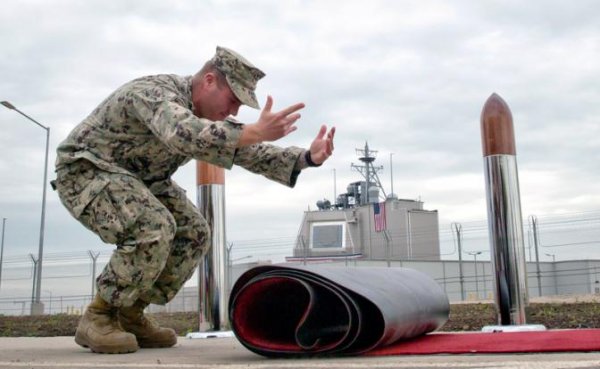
[{"x": 463, "y": 317}]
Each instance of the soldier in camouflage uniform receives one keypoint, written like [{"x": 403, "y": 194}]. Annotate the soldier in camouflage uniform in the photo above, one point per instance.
[{"x": 114, "y": 175}]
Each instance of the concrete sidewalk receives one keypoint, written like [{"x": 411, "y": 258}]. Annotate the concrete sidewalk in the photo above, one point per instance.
[{"x": 228, "y": 353}]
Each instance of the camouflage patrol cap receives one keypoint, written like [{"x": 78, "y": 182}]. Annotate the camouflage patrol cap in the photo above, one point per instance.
[{"x": 241, "y": 75}]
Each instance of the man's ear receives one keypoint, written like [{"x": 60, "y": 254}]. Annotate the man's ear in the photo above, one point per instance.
[{"x": 210, "y": 78}]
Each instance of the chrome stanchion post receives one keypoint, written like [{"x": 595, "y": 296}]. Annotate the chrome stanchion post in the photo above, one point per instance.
[
  {"x": 504, "y": 212},
  {"x": 212, "y": 278}
]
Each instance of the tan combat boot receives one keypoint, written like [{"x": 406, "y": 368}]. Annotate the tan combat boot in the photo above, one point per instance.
[
  {"x": 99, "y": 330},
  {"x": 146, "y": 330}
]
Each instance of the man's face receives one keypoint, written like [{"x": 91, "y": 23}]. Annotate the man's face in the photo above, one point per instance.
[{"x": 214, "y": 100}]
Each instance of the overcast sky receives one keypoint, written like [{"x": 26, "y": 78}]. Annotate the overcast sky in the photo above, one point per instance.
[{"x": 409, "y": 77}]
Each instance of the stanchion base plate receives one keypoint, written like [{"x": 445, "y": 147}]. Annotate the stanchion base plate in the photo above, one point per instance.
[
  {"x": 513, "y": 328},
  {"x": 215, "y": 334}
]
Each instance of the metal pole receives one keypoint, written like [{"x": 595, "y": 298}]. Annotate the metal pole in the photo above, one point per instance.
[
  {"x": 42, "y": 226},
  {"x": 229, "y": 267},
  {"x": 183, "y": 299},
  {"x": 94, "y": 258},
  {"x": 304, "y": 249},
  {"x": 388, "y": 254},
  {"x": 365, "y": 196},
  {"x": 22, "y": 306},
  {"x": 334, "y": 188},
  {"x": 533, "y": 220},
  {"x": 444, "y": 276},
  {"x": 200, "y": 289},
  {"x": 40, "y": 307},
  {"x": 2, "y": 249},
  {"x": 211, "y": 202},
  {"x": 476, "y": 276},
  {"x": 504, "y": 211},
  {"x": 33, "y": 287},
  {"x": 409, "y": 234},
  {"x": 483, "y": 277},
  {"x": 49, "y": 302},
  {"x": 529, "y": 243},
  {"x": 554, "y": 272},
  {"x": 391, "y": 174},
  {"x": 458, "y": 229}
]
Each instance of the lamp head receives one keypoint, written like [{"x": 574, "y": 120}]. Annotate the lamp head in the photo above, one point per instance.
[{"x": 8, "y": 105}]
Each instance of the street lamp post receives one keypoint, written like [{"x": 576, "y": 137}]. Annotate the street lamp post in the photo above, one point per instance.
[
  {"x": 38, "y": 308},
  {"x": 474, "y": 254}
]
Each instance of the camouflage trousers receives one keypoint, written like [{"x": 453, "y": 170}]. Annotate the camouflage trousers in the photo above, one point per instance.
[{"x": 159, "y": 234}]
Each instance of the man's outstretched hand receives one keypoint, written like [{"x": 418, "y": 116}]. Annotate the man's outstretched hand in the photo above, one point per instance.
[
  {"x": 322, "y": 147},
  {"x": 271, "y": 126}
]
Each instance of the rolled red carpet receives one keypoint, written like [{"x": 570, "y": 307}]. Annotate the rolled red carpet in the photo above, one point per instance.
[{"x": 323, "y": 310}]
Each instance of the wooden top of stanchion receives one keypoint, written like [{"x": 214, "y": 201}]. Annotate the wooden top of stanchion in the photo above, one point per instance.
[
  {"x": 497, "y": 132},
  {"x": 209, "y": 174}
]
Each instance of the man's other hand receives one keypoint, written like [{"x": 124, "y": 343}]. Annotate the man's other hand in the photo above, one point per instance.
[{"x": 322, "y": 147}]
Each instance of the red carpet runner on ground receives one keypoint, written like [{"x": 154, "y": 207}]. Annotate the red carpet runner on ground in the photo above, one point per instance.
[
  {"x": 498, "y": 342},
  {"x": 291, "y": 311}
]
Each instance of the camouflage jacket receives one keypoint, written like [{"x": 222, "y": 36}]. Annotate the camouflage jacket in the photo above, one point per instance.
[{"x": 147, "y": 129}]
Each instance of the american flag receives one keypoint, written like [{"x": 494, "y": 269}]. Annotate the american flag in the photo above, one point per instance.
[{"x": 379, "y": 216}]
